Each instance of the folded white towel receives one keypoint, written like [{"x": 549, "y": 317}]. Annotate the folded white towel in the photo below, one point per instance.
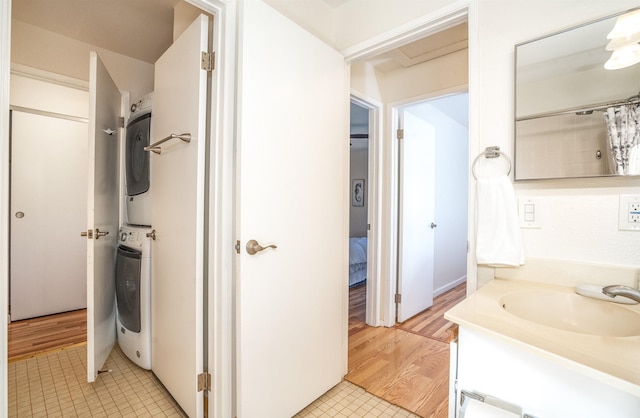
[{"x": 498, "y": 238}]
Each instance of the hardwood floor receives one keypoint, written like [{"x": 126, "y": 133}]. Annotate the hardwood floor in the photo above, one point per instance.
[
  {"x": 31, "y": 337},
  {"x": 408, "y": 364}
]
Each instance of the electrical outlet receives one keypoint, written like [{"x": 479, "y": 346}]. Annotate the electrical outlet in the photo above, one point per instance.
[
  {"x": 629, "y": 215},
  {"x": 634, "y": 212}
]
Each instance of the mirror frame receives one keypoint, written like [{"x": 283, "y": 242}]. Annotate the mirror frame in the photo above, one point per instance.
[{"x": 586, "y": 108}]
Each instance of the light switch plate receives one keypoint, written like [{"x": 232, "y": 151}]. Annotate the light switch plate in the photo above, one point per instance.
[
  {"x": 529, "y": 213},
  {"x": 629, "y": 213}
]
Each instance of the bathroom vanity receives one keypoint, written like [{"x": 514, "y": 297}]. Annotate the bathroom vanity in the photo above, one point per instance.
[{"x": 528, "y": 339}]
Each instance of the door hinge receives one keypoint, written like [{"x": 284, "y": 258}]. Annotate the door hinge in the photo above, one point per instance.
[
  {"x": 368, "y": 227},
  {"x": 208, "y": 61},
  {"x": 237, "y": 247},
  {"x": 120, "y": 121},
  {"x": 400, "y": 134},
  {"x": 398, "y": 298},
  {"x": 204, "y": 382}
]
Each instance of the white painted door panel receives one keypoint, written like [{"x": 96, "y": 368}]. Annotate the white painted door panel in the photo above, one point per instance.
[
  {"x": 292, "y": 191},
  {"x": 102, "y": 214},
  {"x": 48, "y": 210},
  {"x": 177, "y": 176},
  {"x": 417, "y": 211}
]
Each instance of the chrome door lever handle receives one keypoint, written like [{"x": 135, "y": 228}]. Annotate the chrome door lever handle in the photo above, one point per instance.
[
  {"x": 100, "y": 233},
  {"x": 433, "y": 225},
  {"x": 253, "y": 247}
]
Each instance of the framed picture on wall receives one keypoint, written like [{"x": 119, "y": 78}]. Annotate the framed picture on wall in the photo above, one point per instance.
[{"x": 357, "y": 192}]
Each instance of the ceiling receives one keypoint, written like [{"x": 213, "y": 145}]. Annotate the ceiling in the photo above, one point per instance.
[{"x": 143, "y": 29}]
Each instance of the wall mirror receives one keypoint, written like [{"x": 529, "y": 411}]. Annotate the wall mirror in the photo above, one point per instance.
[{"x": 573, "y": 117}]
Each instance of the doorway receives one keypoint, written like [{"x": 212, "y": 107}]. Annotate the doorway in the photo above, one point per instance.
[
  {"x": 48, "y": 188},
  {"x": 365, "y": 222},
  {"x": 48, "y": 207},
  {"x": 432, "y": 200},
  {"x": 197, "y": 140}
]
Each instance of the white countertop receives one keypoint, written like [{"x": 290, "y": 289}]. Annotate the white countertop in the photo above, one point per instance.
[{"x": 612, "y": 360}]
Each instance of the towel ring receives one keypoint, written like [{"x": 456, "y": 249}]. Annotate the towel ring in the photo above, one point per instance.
[{"x": 490, "y": 152}]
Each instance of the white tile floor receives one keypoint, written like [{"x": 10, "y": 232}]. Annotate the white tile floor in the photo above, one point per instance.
[
  {"x": 349, "y": 400},
  {"x": 55, "y": 385}
]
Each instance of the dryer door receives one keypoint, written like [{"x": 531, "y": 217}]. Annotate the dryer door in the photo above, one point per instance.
[{"x": 137, "y": 159}]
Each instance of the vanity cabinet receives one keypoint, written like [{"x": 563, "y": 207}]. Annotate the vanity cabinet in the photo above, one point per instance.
[{"x": 542, "y": 384}]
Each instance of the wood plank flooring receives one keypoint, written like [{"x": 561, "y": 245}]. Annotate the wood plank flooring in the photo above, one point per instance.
[
  {"x": 408, "y": 364},
  {"x": 31, "y": 337}
]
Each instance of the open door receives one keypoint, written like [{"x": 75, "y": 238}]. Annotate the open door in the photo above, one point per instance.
[
  {"x": 102, "y": 214},
  {"x": 416, "y": 223},
  {"x": 292, "y": 193},
  {"x": 177, "y": 216}
]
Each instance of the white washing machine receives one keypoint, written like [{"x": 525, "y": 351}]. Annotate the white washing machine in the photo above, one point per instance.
[{"x": 133, "y": 294}]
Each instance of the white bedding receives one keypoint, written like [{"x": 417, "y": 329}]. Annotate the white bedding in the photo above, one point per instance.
[{"x": 357, "y": 260}]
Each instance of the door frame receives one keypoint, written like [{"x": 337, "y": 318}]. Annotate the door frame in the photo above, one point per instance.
[
  {"x": 396, "y": 108},
  {"x": 219, "y": 350},
  {"x": 5, "y": 69},
  {"x": 374, "y": 281},
  {"x": 219, "y": 211},
  {"x": 431, "y": 23}
]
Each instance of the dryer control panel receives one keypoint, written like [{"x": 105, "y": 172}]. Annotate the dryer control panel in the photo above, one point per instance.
[{"x": 133, "y": 238}]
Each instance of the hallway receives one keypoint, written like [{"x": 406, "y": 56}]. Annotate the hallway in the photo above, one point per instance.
[{"x": 407, "y": 365}]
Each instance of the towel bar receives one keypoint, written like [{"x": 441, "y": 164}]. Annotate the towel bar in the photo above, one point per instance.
[
  {"x": 186, "y": 137},
  {"x": 490, "y": 152}
]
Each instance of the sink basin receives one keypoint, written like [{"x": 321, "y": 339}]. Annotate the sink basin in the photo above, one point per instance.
[{"x": 572, "y": 312}]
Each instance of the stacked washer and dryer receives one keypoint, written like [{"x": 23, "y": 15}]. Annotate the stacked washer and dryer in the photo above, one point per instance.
[{"x": 133, "y": 260}]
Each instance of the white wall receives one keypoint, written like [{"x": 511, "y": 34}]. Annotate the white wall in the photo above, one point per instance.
[
  {"x": 316, "y": 16},
  {"x": 450, "y": 188},
  {"x": 438, "y": 75},
  {"x": 366, "y": 81},
  {"x": 38, "y": 48},
  {"x": 450, "y": 260},
  {"x": 579, "y": 215},
  {"x": 359, "y": 21}
]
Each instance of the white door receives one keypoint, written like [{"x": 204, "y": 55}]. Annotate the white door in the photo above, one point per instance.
[
  {"x": 292, "y": 192},
  {"x": 177, "y": 178},
  {"x": 102, "y": 214},
  {"x": 48, "y": 208},
  {"x": 416, "y": 225}
]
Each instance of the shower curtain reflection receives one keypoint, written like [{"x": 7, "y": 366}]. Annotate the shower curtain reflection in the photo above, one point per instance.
[{"x": 623, "y": 133}]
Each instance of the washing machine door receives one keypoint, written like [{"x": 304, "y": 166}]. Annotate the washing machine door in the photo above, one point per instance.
[
  {"x": 128, "y": 270},
  {"x": 137, "y": 159}
]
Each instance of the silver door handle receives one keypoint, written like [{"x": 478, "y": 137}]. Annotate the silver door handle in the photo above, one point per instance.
[
  {"x": 253, "y": 247},
  {"x": 88, "y": 234},
  {"x": 19, "y": 215},
  {"x": 100, "y": 233},
  {"x": 433, "y": 225}
]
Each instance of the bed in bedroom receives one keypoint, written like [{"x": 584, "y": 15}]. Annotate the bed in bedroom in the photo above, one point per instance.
[{"x": 357, "y": 261}]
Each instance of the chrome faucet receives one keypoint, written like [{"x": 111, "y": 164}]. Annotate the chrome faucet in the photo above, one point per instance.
[{"x": 620, "y": 290}]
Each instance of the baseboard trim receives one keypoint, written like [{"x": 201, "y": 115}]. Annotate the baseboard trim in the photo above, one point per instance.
[{"x": 449, "y": 286}]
